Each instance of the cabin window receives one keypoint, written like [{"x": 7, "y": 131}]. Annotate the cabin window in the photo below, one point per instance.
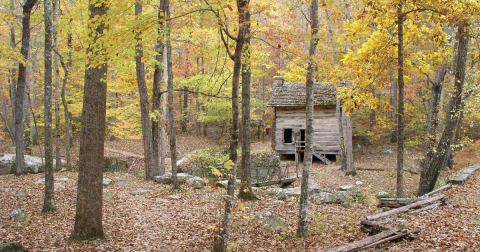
[{"x": 287, "y": 135}]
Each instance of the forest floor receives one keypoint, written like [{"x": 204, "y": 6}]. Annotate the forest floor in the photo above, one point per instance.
[{"x": 146, "y": 216}]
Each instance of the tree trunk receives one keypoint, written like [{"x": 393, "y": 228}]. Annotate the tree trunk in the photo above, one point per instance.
[
  {"x": 401, "y": 98},
  {"x": 441, "y": 156},
  {"x": 393, "y": 102},
  {"x": 185, "y": 107},
  {"x": 144, "y": 104},
  {"x": 171, "y": 110},
  {"x": 20, "y": 88},
  {"x": 431, "y": 135},
  {"x": 349, "y": 145},
  {"x": 58, "y": 142},
  {"x": 157, "y": 85},
  {"x": 68, "y": 124},
  {"x": 49, "y": 200},
  {"x": 163, "y": 148},
  {"x": 88, "y": 215},
  {"x": 302, "y": 230},
  {"x": 222, "y": 234},
  {"x": 12, "y": 76},
  {"x": 246, "y": 192}
]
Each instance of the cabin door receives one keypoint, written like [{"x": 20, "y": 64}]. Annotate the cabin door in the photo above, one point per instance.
[{"x": 302, "y": 137}]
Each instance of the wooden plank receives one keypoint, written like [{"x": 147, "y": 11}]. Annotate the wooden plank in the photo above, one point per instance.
[
  {"x": 369, "y": 240},
  {"x": 443, "y": 188},
  {"x": 397, "y": 235},
  {"x": 405, "y": 208},
  {"x": 370, "y": 169}
]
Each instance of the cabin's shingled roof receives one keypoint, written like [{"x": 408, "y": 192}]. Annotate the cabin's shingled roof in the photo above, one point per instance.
[{"x": 293, "y": 94}]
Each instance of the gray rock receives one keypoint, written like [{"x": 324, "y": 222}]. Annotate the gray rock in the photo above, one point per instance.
[
  {"x": 358, "y": 182},
  {"x": 164, "y": 179},
  {"x": 382, "y": 194},
  {"x": 224, "y": 183},
  {"x": 139, "y": 192},
  {"x": 276, "y": 192},
  {"x": 314, "y": 189},
  {"x": 347, "y": 188},
  {"x": 271, "y": 219},
  {"x": 33, "y": 165},
  {"x": 373, "y": 152},
  {"x": 21, "y": 194},
  {"x": 58, "y": 186},
  {"x": 114, "y": 165},
  {"x": 107, "y": 196},
  {"x": 12, "y": 247},
  {"x": 196, "y": 182},
  {"x": 293, "y": 192},
  {"x": 330, "y": 198},
  {"x": 388, "y": 152},
  {"x": 107, "y": 181},
  {"x": 56, "y": 179},
  {"x": 277, "y": 202},
  {"x": 17, "y": 214},
  {"x": 182, "y": 177},
  {"x": 175, "y": 197}
]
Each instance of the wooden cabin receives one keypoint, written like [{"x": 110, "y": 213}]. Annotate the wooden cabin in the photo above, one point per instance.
[{"x": 288, "y": 101}]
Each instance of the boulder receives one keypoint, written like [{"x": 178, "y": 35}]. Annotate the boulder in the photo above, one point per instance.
[
  {"x": 382, "y": 194},
  {"x": 358, "y": 182},
  {"x": 271, "y": 219},
  {"x": 164, "y": 179},
  {"x": 107, "y": 181},
  {"x": 114, "y": 165},
  {"x": 224, "y": 183},
  {"x": 182, "y": 177},
  {"x": 293, "y": 192},
  {"x": 347, "y": 188},
  {"x": 276, "y": 192},
  {"x": 17, "y": 214},
  {"x": 388, "y": 152},
  {"x": 139, "y": 192},
  {"x": 196, "y": 182},
  {"x": 33, "y": 165},
  {"x": 330, "y": 198},
  {"x": 12, "y": 247}
]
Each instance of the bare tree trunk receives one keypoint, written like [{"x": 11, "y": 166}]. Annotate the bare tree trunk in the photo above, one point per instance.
[
  {"x": 13, "y": 83},
  {"x": 393, "y": 102},
  {"x": 58, "y": 143},
  {"x": 144, "y": 104},
  {"x": 68, "y": 124},
  {"x": 222, "y": 234},
  {"x": 157, "y": 85},
  {"x": 431, "y": 135},
  {"x": 20, "y": 88},
  {"x": 49, "y": 200},
  {"x": 185, "y": 111},
  {"x": 88, "y": 215},
  {"x": 302, "y": 230},
  {"x": 441, "y": 156},
  {"x": 246, "y": 192},
  {"x": 163, "y": 148},
  {"x": 349, "y": 145},
  {"x": 401, "y": 98},
  {"x": 171, "y": 110}
]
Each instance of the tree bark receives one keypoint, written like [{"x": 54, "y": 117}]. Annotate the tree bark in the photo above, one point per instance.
[
  {"x": 429, "y": 177},
  {"x": 222, "y": 234},
  {"x": 171, "y": 109},
  {"x": 393, "y": 102},
  {"x": 401, "y": 98},
  {"x": 49, "y": 198},
  {"x": 58, "y": 142},
  {"x": 144, "y": 104},
  {"x": 246, "y": 192},
  {"x": 88, "y": 215},
  {"x": 157, "y": 85},
  {"x": 302, "y": 230},
  {"x": 20, "y": 88}
]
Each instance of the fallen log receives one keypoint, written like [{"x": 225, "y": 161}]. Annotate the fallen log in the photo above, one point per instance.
[
  {"x": 405, "y": 208},
  {"x": 370, "y": 169},
  {"x": 372, "y": 227},
  {"x": 391, "y": 238},
  {"x": 354, "y": 246},
  {"x": 429, "y": 207},
  {"x": 443, "y": 188},
  {"x": 396, "y": 202}
]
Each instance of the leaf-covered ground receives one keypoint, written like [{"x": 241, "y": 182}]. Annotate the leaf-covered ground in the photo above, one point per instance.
[{"x": 144, "y": 216}]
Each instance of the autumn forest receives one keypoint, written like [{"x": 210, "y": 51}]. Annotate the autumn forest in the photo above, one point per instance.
[{"x": 156, "y": 125}]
